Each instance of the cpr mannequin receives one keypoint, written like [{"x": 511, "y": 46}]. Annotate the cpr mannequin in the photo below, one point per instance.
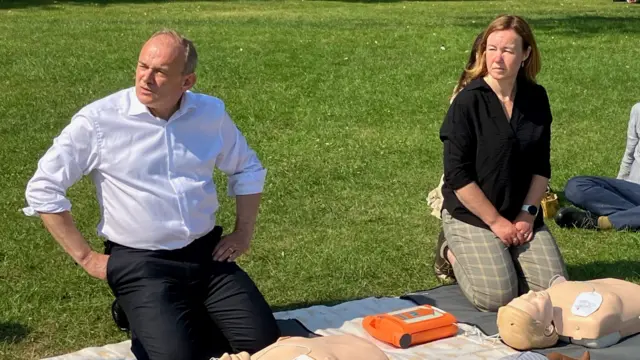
[
  {"x": 334, "y": 347},
  {"x": 594, "y": 313}
]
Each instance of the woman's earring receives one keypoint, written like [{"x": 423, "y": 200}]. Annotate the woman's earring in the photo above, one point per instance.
[{"x": 522, "y": 64}]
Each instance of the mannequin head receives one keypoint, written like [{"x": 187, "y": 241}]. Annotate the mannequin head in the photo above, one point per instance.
[
  {"x": 536, "y": 304},
  {"x": 526, "y": 322}
]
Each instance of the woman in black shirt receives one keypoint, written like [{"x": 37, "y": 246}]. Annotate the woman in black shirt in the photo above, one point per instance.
[{"x": 496, "y": 138}]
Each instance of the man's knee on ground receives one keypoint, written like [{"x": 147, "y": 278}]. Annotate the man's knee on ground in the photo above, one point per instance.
[
  {"x": 265, "y": 338},
  {"x": 169, "y": 350}
]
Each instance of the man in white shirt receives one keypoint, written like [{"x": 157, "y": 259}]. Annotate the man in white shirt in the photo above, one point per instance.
[{"x": 151, "y": 151}]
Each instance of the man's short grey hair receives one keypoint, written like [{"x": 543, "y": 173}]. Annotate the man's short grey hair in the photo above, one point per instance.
[{"x": 190, "y": 53}]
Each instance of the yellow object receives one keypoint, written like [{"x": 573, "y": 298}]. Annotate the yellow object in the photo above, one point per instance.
[
  {"x": 604, "y": 223},
  {"x": 550, "y": 205}
]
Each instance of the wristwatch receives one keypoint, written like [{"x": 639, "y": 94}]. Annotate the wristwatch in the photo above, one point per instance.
[{"x": 531, "y": 209}]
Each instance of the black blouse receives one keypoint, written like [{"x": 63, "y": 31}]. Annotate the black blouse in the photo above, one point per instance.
[{"x": 501, "y": 156}]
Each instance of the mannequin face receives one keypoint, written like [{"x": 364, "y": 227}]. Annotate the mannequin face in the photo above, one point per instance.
[{"x": 537, "y": 304}]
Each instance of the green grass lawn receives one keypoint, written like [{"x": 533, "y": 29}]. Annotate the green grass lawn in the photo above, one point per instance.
[{"x": 342, "y": 101}]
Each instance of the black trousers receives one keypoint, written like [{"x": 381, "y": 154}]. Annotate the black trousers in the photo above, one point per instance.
[{"x": 183, "y": 305}]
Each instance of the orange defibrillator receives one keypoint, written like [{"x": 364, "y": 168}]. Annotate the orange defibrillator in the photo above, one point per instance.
[{"x": 413, "y": 326}]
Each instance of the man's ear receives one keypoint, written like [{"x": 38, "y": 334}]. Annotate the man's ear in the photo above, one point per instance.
[{"x": 189, "y": 81}]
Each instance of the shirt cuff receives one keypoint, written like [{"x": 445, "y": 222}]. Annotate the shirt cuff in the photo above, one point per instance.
[
  {"x": 458, "y": 179},
  {"x": 51, "y": 208},
  {"x": 29, "y": 211},
  {"x": 247, "y": 183}
]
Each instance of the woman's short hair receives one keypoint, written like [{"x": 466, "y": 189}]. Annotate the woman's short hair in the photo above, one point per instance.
[
  {"x": 521, "y": 332},
  {"x": 532, "y": 64}
]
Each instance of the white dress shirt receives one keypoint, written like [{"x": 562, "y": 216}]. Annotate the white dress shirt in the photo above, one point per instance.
[{"x": 153, "y": 178}]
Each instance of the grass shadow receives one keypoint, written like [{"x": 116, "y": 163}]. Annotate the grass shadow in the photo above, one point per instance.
[
  {"x": 396, "y": 1},
  {"x": 620, "y": 269},
  {"x": 586, "y": 25},
  {"x": 23, "y": 4},
  {"x": 575, "y": 25},
  {"x": 12, "y": 332}
]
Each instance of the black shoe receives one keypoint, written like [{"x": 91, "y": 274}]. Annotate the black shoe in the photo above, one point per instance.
[
  {"x": 572, "y": 217},
  {"x": 119, "y": 317},
  {"x": 441, "y": 266}
]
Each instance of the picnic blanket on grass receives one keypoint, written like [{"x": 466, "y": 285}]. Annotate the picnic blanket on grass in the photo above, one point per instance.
[{"x": 473, "y": 340}]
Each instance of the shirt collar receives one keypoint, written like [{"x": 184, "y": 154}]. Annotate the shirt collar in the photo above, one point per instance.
[
  {"x": 187, "y": 102},
  {"x": 479, "y": 83},
  {"x": 135, "y": 106}
]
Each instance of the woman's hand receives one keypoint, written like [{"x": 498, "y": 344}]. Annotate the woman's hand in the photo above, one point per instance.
[
  {"x": 524, "y": 226},
  {"x": 505, "y": 230}
]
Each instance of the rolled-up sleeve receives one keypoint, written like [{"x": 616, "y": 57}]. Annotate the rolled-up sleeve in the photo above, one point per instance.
[
  {"x": 74, "y": 153},
  {"x": 542, "y": 161},
  {"x": 459, "y": 144},
  {"x": 239, "y": 161}
]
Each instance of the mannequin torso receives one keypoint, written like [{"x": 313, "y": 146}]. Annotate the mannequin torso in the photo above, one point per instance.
[
  {"x": 594, "y": 313},
  {"x": 619, "y": 311},
  {"x": 336, "y": 347}
]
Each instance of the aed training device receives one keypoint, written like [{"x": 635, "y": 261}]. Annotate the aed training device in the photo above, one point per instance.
[{"x": 412, "y": 326}]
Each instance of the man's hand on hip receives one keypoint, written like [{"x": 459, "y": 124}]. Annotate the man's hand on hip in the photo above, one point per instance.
[
  {"x": 95, "y": 264},
  {"x": 231, "y": 246}
]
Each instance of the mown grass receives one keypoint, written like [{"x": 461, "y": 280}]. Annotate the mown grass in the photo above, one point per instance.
[{"x": 342, "y": 101}]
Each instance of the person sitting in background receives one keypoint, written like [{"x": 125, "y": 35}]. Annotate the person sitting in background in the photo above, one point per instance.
[{"x": 609, "y": 203}]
